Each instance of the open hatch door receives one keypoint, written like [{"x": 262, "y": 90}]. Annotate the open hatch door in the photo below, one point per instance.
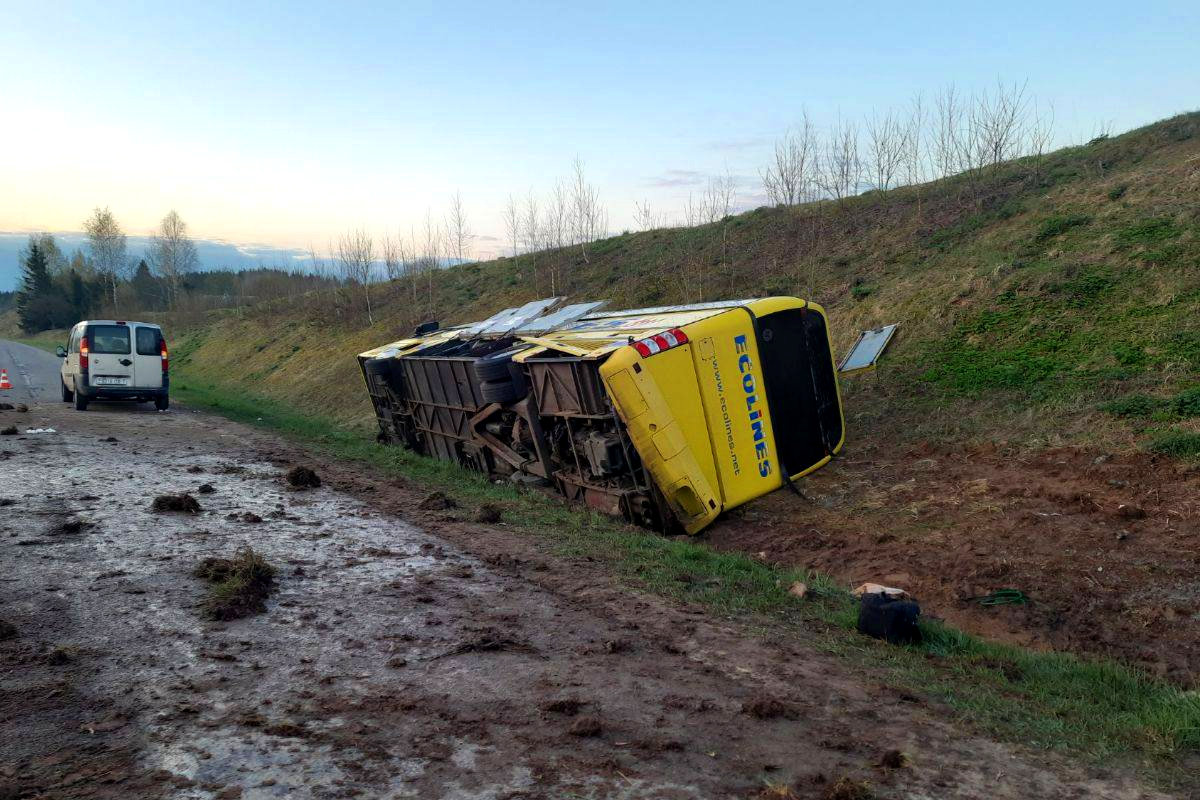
[{"x": 867, "y": 350}]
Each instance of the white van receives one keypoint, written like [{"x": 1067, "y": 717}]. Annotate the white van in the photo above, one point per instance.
[{"x": 115, "y": 360}]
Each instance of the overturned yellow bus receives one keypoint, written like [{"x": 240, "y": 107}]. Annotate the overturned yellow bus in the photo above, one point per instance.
[{"x": 666, "y": 416}]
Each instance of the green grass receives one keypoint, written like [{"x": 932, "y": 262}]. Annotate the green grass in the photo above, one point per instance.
[
  {"x": 1181, "y": 444},
  {"x": 1096, "y": 709}
]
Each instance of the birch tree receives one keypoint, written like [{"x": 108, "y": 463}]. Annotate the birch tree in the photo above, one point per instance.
[
  {"x": 172, "y": 254},
  {"x": 356, "y": 255},
  {"x": 107, "y": 248}
]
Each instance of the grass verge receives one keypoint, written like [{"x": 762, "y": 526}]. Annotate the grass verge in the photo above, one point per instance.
[{"x": 1094, "y": 708}]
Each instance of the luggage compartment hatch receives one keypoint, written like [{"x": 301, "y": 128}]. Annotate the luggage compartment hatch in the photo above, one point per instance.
[{"x": 867, "y": 349}]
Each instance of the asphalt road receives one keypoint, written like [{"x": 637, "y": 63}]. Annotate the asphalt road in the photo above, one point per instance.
[{"x": 34, "y": 374}]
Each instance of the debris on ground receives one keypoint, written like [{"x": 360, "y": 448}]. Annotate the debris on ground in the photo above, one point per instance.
[
  {"x": 1130, "y": 511},
  {"x": 69, "y": 526},
  {"x": 487, "y": 641},
  {"x": 61, "y": 655},
  {"x": 11, "y": 430},
  {"x": 205, "y": 488},
  {"x": 586, "y": 726},
  {"x": 878, "y": 588},
  {"x": 6, "y": 406},
  {"x": 175, "y": 503},
  {"x": 245, "y": 516},
  {"x": 239, "y": 585},
  {"x": 303, "y": 478},
  {"x": 764, "y": 706},
  {"x": 568, "y": 706},
  {"x": 893, "y": 759},
  {"x": 777, "y": 791},
  {"x": 40, "y": 430},
  {"x": 437, "y": 501},
  {"x": 489, "y": 513},
  {"x": 847, "y": 789},
  {"x": 798, "y": 589},
  {"x": 7, "y": 630},
  {"x": 286, "y": 729},
  {"x": 397, "y": 663},
  {"x": 889, "y": 618},
  {"x": 22, "y": 408},
  {"x": 195, "y": 469},
  {"x": 7, "y": 501}
]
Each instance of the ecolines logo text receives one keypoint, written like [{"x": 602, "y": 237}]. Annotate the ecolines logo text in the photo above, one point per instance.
[{"x": 749, "y": 385}]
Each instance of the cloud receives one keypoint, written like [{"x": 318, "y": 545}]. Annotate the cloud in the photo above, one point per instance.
[{"x": 674, "y": 178}]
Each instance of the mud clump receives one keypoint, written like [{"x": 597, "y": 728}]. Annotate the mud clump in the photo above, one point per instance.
[
  {"x": 22, "y": 408},
  {"x": 848, "y": 789},
  {"x": 245, "y": 516},
  {"x": 438, "y": 501},
  {"x": 7, "y": 630},
  {"x": 69, "y": 526},
  {"x": 11, "y": 430},
  {"x": 767, "y": 707},
  {"x": 288, "y": 730},
  {"x": 6, "y": 406},
  {"x": 239, "y": 586},
  {"x": 175, "y": 504},
  {"x": 568, "y": 706},
  {"x": 587, "y": 726},
  {"x": 205, "y": 488},
  {"x": 893, "y": 759},
  {"x": 489, "y": 513},
  {"x": 303, "y": 478},
  {"x": 60, "y": 656}
]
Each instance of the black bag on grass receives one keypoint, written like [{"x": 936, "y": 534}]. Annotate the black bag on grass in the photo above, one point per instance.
[{"x": 892, "y": 619}]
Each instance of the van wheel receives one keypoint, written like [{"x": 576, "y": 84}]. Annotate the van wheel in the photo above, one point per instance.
[
  {"x": 81, "y": 402},
  {"x": 67, "y": 394},
  {"x": 162, "y": 402}
]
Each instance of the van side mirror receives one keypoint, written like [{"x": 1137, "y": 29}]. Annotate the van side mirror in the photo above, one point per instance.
[{"x": 60, "y": 351}]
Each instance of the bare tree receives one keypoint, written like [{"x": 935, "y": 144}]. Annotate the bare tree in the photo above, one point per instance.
[
  {"x": 885, "y": 148},
  {"x": 106, "y": 243},
  {"x": 431, "y": 256},
  {"x": 458, "y": 229},
  {"x": 787, "y": 178},
  {"x": 588, "y": 218},
  {"x": 998, "y": 121},
  {"x": 914, "y": 142},
  {"x": 172, "y": 254},
  {"x": 531, "y": 228},
  {"x": 389, "y": 251},
  {"x": 1041, "y": 132},
  {"x": 558, "y": 216},
  {"x": 356, "y": 256},
  {"x": 512, "y": 224},
  {"x": 948, "y": 132},
  {"x": 719, "y": 197},
  {"x": 842, "y": 167},
  {"x": 645, "y": 217}
]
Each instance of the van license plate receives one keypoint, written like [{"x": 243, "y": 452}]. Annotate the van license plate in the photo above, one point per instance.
[{"x": 103, "y": 381}]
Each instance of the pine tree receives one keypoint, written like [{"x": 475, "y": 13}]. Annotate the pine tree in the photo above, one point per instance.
[{"x": 35, "y": 299}]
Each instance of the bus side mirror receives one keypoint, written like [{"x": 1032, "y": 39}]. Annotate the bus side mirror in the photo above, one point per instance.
[{"x": 60, "y": 351}]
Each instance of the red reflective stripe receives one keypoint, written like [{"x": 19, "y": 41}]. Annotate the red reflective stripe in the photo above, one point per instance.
[
  {"x": 661, "y": 341},
  {"x": 643, "y": 349},
  {"x": 680, "y": 336}
]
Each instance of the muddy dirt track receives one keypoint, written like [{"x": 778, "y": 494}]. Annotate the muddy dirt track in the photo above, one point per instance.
[{"x": 405, "y": 653}]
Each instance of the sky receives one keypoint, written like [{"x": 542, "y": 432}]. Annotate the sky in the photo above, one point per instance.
[{"x": 285, "y": 124}]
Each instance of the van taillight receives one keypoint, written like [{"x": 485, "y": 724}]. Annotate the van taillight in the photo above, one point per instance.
[
  {"x": 83, "y": 353},
  {"x": 663, "y": 341},
  {"x": 162, "y": 349}
]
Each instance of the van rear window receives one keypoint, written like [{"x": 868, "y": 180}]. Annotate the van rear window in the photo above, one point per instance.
[
  {"x": 147, "y": 341},
  {"x": 108, "y": 339}
]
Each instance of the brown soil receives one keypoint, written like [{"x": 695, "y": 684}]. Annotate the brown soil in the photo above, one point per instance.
[
  {"x": 1107, "y": 548},
  {"x": 302, "y": 478},
  {"x": 489, "y": 513},
  {"x": 175, "y": 503},
  {"x": 437, "y": 501}
]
